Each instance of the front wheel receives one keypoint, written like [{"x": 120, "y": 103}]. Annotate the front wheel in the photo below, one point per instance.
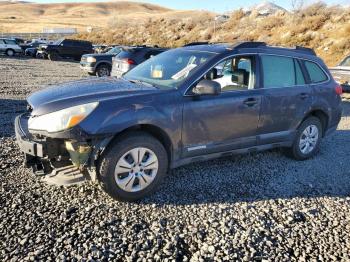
[
  {"x": 10, "y": 52},
  {"x": 307, "y": 140},
  {"x": 103, "y": 71},
  {"x": 53, "y": 56},
  {"x": 133, "y": 167}
]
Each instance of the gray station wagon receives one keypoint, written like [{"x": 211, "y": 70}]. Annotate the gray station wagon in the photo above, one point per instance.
[{"x": 189, "y": 104}]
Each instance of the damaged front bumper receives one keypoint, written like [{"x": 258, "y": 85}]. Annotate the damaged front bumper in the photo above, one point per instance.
[{"x": 71, "y": 156}]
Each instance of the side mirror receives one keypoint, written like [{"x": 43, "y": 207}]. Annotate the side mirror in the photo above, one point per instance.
[{"x": 207, "y": 87}]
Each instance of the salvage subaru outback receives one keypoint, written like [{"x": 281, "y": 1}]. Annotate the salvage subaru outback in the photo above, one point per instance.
[{"x": 188, "y": 104}]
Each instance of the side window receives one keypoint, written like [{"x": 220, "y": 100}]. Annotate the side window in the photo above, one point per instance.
[
  {"x": 278, "y": 71},
  {"x": 315, "y": 72},
  {"x": 234, "y": 74},
  {"x": 2, "y": 42},
  {"x": 67, "y": 43},
  {"x": 10, "y": 42},
  {"x": 300, "y": 80}
]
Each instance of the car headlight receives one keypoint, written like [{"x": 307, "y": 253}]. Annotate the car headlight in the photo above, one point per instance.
[
  {"x": 61, "y": 120},
  {"x": 91, "y": 59}
]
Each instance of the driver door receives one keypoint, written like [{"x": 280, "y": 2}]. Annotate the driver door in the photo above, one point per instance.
[{"x": 227, "y": 121}]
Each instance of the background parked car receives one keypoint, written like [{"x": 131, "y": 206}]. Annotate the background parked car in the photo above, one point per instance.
[
  {"x": 341, "y": 74},
  {"x": 31, "y": 49},
  {"x": 99, "y": 64},
  {"x": 130, "y": 57},
  {"x": 9, "y": 47},
  {"x": 65, "y": 48}
]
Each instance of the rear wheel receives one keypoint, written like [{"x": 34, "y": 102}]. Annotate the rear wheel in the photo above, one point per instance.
[
  {"x": 103, "y": 70},
  {"x": 307, "y": 140},
  {"x": 53, "y": 56},
  {"x": 133, "y": 167},
  {"x": 10, "y": 52}
]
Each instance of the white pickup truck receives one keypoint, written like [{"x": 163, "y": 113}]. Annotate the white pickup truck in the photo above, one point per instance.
[{"x": 341, "y": 74}]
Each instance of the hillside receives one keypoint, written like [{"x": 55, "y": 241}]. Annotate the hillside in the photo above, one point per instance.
[
  {"x": 30, "y": 17},
  {"x": 324, "y": 28}
]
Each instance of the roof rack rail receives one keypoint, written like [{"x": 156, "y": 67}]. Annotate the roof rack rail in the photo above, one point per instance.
[
  {"x": 248, "y": 45},
  {"x": 305, "y": 49},
  {"x": 196, "y": 43}
]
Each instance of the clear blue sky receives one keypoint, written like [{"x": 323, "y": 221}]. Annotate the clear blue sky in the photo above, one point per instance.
[{"x": 217, "y": 6}]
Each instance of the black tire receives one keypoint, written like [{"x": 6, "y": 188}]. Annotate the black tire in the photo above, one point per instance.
[
  {"x": 53, "y": 56},
  {"x": 295, "y": 151},
  {"x": 10, "y": 52},
  {"x": 116, "y": 151},
  {"x": 103, "y": 70}
]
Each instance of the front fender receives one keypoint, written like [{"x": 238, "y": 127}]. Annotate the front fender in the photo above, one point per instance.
[{"x": 162, "y": 110}]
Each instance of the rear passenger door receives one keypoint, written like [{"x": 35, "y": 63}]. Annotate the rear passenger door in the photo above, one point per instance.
[{"x": 286, "y": 98}]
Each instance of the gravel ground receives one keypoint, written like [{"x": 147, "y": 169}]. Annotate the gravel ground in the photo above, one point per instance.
[{"x": 260, "y": 207}]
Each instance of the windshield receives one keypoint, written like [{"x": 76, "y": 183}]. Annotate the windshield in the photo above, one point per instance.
[
  {"x": 58, "y": 41},
  {"x": 169, "y": 69},
  {"x": 114, "y": 51}
]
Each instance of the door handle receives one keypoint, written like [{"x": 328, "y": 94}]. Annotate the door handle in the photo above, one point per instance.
[
  {"x": 250, "y": 102},
  {"x": 304, "y": 95}
]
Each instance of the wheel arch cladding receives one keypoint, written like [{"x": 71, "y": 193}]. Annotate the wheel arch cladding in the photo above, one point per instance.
[
  {"x": 322, "y": 116},
  {"x": 150, "y": 129}
]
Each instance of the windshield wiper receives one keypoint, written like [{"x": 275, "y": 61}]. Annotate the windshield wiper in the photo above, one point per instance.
[{"x": 137, "y": 81}]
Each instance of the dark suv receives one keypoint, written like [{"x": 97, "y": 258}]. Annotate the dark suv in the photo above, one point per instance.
[
  {"x": 132, "y": 56},
  {"x": 99, "y": 64},
  {"x": 65, "y": 48},
  {"x": 188, "y": 104}
]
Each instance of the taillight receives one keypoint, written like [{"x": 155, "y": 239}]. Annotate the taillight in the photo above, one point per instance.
[
  {"x": 129, "y": 61},
  {"x": 338, "y": 89}
]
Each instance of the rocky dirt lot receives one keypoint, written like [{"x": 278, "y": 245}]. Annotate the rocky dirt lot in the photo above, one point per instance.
[{"x": 259, "y": 207}]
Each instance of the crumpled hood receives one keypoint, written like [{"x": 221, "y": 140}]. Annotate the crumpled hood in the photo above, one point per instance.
[{"x": 82, "y": 92}]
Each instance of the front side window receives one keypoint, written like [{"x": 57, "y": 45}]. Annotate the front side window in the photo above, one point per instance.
[
  {"x": 169, "y": 69},
  {"x": 235, "y": 73},
  {"x": 2, "y": 42},
  {"x": 279, "y": 71},
  {"x": 316, "y": 74}
]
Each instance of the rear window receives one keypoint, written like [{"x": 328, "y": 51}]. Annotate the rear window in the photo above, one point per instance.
[
  {"x": 126, "y": 54},
  {"x": 315, "y": 72},
  {"x": 279, "y": 71}
]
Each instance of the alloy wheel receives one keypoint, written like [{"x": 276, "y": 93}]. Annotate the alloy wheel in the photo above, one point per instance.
[
  {"x": 10, "y": 53},
  {"x": 308, "y": 139},
  {"x": 103, "y": 71},
  {"x": 136, "y": 169}
]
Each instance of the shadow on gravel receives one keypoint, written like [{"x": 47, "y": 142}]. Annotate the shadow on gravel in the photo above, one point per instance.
[
  {"x": 9, "y": 109},
  {"x": 267, "y": 176}
]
